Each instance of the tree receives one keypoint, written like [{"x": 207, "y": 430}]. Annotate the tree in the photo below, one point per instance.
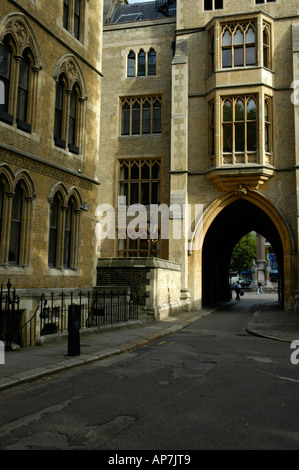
[{"x": 244, "y": 252}]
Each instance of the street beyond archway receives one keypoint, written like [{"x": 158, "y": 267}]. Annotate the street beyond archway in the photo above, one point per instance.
[{"x": 210, "y": 386}]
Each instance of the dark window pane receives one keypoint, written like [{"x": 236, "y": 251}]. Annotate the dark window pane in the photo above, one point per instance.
[
  {"x": 239, "y": 111},
  {"x": 124, "y": 190},
  {"x": 23, "y": 90},
  {"x": 238, "y": 57},
  {"x": 141, "y": 63},
  {"x": 131, "y": 64},
  {"x": 59, "y": 109},
  {"x": 157, "y": 118},
  {"x": 145, "y": 193},
  {"x": 146, "y": 118},
  {"x": 218, "y": 4},
  {"x": 155, "y": 193},
  {"x": 68, "y": 236},
  {"x": 156, "y": 171},
  {"x": 65, "y": 13},
  {"x": 77, "y": 14},
  {"x": 53, "y": 232},
  {"x": 135, "y": 172},
  {"x": 134, "y": 193},
  {"x": 227, "y": 111},
  {"x": 5, "y": 63},
  {"x": 125, "y": 122},
  {"x": 208, "y": 4},
  {"x": 239, "y": 137},
  {"x": 250, "y": 55},
  {"x": 15, "y": 230},
  {"x": 152, "y": 62},
  {"x": 227, "y": 138},
  {"x": 267, "y": 128},
  {"x": 251, "y": 110},
  {"x": 145, "y": 173},
  {"x": 72, "y": 119},
  {"x": 226, "y": 58},
  {"x": 136, "y": 119},
  {"x": 124, "y": 172},
  {"x": 266, "y": 57},
  {"x": 251, "y": 136}
]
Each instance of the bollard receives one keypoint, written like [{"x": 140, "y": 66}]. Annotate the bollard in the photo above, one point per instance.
[{"x": 74, "y": 320}]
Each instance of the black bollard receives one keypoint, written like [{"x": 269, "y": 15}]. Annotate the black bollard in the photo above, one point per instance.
[{"x": 74, "y": 320}]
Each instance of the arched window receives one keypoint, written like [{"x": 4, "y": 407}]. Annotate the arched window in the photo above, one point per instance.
[
  {"x": 16, "y": 196},
  {"x": 141, "y": 64},
  {"x": 72, "y": 141},
  {"x": 5, "y": 69},
  {"x": 131, "y": 64},
  {"x": 68, "y": 234},
  {"x": 64, "y": 228},
  {"x": 19, "y": 57},
  {"x": 59, "y": 104},
  {"x": 23, "y": 93},
  {"x": 16, "y": 226},
  {"x": 151, "y": 63},
  {"x": 239, "y": 126},
  {"x": 69, "y": 105},
  {"x": 238, "y": 45},
  {"x": 53, "y": 234},
  {"x": 266, "y": 46}
]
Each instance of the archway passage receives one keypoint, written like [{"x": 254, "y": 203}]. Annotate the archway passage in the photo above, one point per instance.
[{"x": 229, "y": 226}]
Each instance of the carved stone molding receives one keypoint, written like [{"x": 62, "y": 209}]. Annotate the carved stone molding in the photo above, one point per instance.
[
  {"x": 239, "y": 179},
  {"x": 17, "y": 26},
  {"x": 68, "y": 66},
  {"x": 44, "y": 169}
]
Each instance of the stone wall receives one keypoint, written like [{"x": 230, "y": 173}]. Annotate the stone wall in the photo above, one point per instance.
[{"x": 159, "y": 279}]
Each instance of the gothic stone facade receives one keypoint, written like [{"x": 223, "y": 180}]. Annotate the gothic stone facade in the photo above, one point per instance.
[
  {"x": 50, "y": 55},
  {"x": 226, "y": 136}
]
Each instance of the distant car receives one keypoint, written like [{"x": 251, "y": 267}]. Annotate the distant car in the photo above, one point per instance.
[{"x": 242, "y": 281}]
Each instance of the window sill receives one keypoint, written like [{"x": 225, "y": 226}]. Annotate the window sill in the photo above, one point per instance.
[
  {"x": 127, "y": 136},
  {"x": 24, "y": 126},
  {"x": 5, "y": 117},
  {"x": 59, "y": 143},
  {"x": 73, "y": 149}
]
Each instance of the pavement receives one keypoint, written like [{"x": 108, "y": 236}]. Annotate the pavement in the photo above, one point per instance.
[{"x": 51, "y": 356}]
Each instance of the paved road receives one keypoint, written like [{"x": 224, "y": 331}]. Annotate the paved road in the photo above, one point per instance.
[{"x": 210, "y": 386}]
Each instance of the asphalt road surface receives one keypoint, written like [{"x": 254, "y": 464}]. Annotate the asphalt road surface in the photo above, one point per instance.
[{"x": 211, "y": 386}]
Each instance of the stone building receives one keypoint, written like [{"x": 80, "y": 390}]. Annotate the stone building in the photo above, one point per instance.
[
  {"x": 50, "y": 70},
  {"x": 200, "y": 106}
]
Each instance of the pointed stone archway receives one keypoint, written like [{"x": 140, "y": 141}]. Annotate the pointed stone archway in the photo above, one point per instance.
[{"x": 224, "y": 223}]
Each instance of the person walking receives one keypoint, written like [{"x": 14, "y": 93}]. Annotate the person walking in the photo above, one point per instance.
[
  {"x": 260, "y": 288},
  {"x": 238, "y": 288}
]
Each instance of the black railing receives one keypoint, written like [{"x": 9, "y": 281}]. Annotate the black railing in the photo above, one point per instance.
[
  {"x": 10, "y": 316},
  {"x": 97, "y": 308}
]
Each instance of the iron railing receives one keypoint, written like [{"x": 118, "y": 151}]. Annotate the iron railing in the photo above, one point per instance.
[
  {"x": 10, "y": 316},
  {"x": 97, "y": 308}
]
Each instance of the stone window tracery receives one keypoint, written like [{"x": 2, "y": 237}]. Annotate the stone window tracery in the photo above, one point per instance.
[{"x": 20, "y": 62}]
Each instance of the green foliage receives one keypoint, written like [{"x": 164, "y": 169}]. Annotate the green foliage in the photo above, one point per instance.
[{"x": 243, "y": 254}]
